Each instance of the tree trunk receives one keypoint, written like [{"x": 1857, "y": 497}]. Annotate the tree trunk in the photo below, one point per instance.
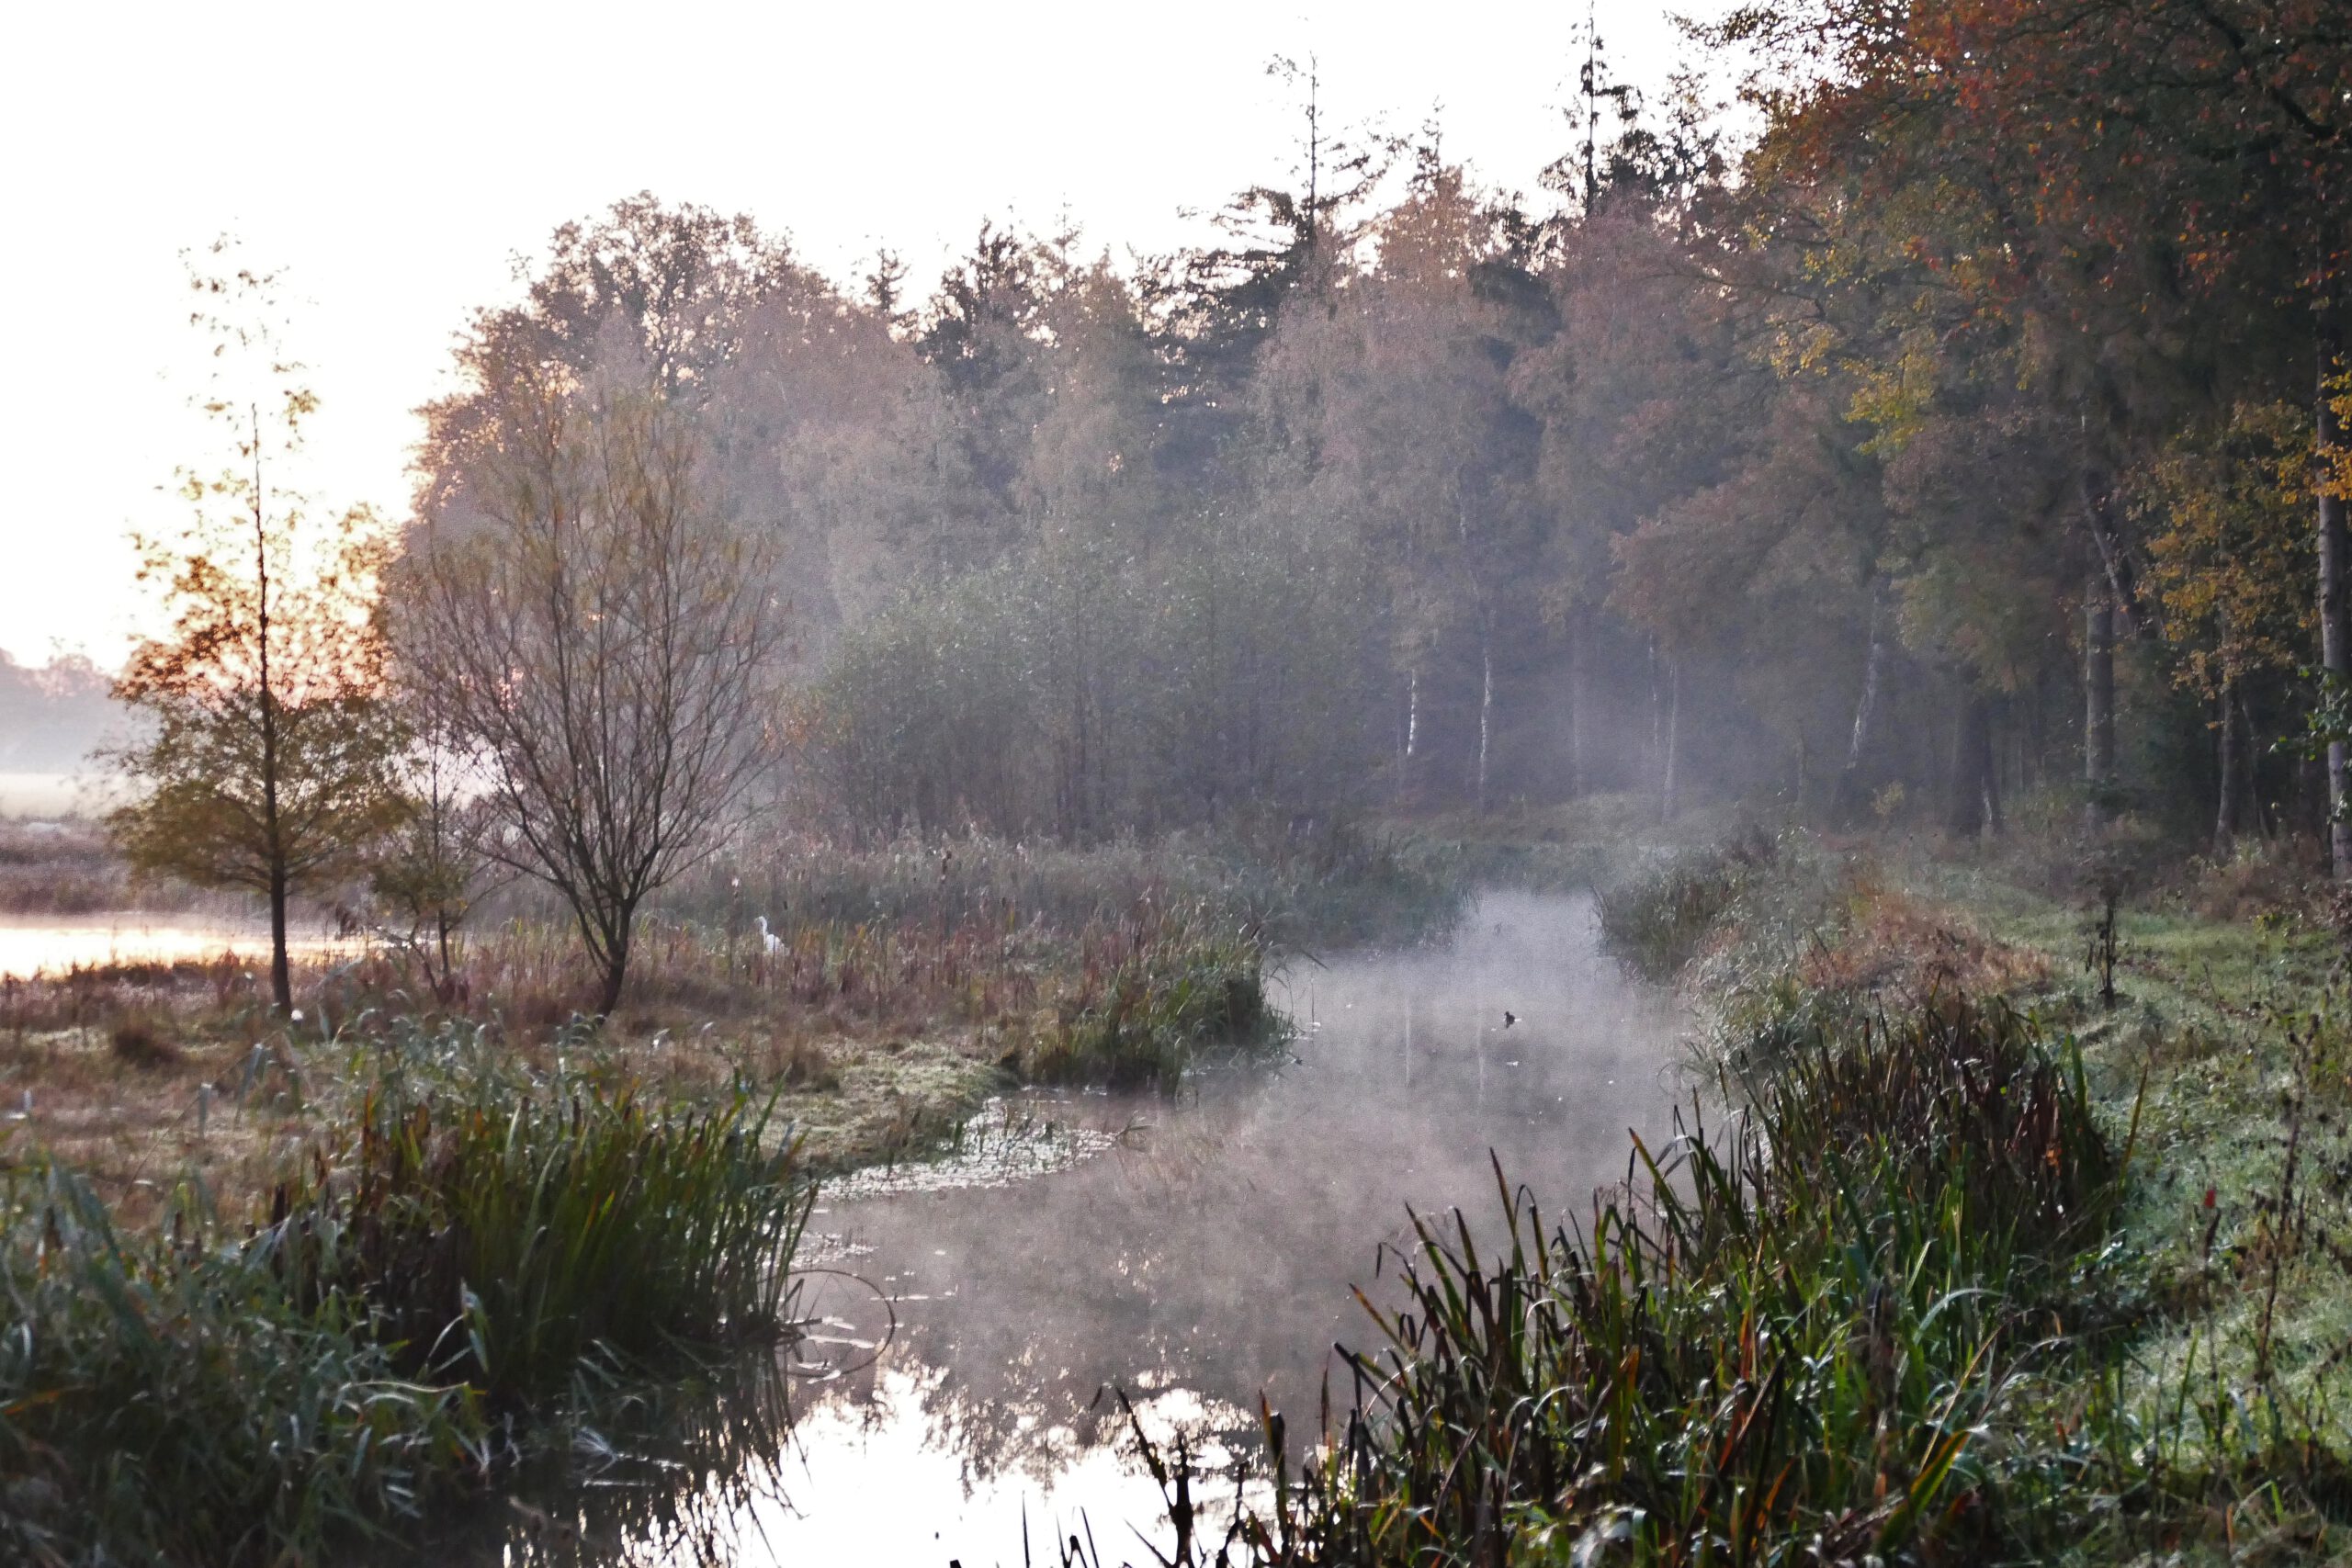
[
  {"x": 2229, "y": 808},
  {"x": 1485, "y": 706},
  {"x": 281, "y": 980},
  {"x": 1848, "y": 802},
  {"x": 1668, "y": 783},
  {"x": 1996, "y": 821},
  {"x": 1976, "y": 801},
  {"x": 446, "y": 986},
  {"x": 2115, "y": 562},
  {"x": 2265, "y": 815},
  {"x": 2335, "y": 627},
  {"x": 1576, "y": 704},
  {"x": 1657, "y": 715},
  {"x": 281, "y": 983},
  {"x": 616, "y": 966},
  {"x": 2098, "y": 700}
]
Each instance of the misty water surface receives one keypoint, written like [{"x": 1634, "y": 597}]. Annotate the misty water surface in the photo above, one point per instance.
[
  {"x": 54, "y": 943},
  {"x": 1198, "y": 1253}
]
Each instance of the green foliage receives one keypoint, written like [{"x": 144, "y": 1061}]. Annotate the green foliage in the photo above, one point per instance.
[
  {"x": 470, "y": 1243},
  {"x": 175, "y": 1402},
  {"x": 1081, "y": 686},
  {"x": 1658, "y": 918},
  {"x": 508, "y": 1230}
]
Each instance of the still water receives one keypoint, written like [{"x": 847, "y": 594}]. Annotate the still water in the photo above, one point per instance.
[
  {"x": 1195, "y": 1254},
  {"x": 53, "y": 944}
]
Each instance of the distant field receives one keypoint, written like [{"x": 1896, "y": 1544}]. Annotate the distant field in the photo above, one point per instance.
[{"x": 56, "y": 794}]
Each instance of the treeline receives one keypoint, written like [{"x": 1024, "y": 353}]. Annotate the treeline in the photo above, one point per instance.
[
  {"x": 1969, "y": 432},
  {"x": 51, "y": 714}
]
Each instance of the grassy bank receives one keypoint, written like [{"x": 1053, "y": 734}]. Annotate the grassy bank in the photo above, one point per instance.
[
  {"x": 276, "y": 1284},
  {"x": 1968, "y": 1263},
  {"x": 439, "y": 1281},
  {"x": 894, "y": 990}
]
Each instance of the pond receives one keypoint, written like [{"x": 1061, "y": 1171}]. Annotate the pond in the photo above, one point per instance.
[
  {"x": 55, "y": 943},
  {"x": 973, "y": 1316}
]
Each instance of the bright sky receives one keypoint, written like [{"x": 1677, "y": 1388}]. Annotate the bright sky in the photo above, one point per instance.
[{"x": 394, "y": 158}]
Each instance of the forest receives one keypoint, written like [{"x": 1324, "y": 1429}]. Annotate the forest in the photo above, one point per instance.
[
  {"x": 1703, "y": 809},
  {"x": 1949, "y": 447}
]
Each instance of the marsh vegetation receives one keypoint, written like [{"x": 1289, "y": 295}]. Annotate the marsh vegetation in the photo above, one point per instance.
[{"x": 1144, "y": 780}]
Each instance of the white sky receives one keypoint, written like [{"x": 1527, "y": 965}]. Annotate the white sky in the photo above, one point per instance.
[{"x": 395, "y": 157}]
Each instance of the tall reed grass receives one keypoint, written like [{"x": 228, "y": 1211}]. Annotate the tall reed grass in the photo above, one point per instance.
[
  {"x": 1157, "y": 993},
  {"x": 505, "y": 1227},
  {"x": 1657, "y": 919},
  {"x": 172, "y": 1401},
  {"x": 1810, "y": 1337},
  {"x": 469, "y": 1248}
]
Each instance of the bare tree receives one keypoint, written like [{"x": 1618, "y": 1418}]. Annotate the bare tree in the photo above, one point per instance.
[
  {"x": 430, "y": 871},
  {"x": 588, "y": 624}
]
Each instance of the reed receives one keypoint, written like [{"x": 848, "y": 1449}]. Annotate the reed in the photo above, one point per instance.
[
  {"x": 1157, "y": 995},
  {"x": 469, "y": 1254},
  {"x": 505, "y": 1227},
  {"x": 1808, "y": 1337},
  {"x": 172, "y": 1401},
  {"x": 1657, "y": 920}
]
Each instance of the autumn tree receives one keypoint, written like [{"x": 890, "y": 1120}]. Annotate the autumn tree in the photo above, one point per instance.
[
  {"x": 2150, "y": 195},
  {"x": 269, "y": 760},
  {"x": 2226, "y": 505}
]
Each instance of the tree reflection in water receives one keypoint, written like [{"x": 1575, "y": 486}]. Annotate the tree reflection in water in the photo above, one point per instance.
[{"x": 1205, "y": 1255}]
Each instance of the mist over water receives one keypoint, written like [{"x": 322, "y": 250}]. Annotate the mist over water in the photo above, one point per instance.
[
  {"x": 56, "y": 943},
  {"x": 1193, "y": 1253}
]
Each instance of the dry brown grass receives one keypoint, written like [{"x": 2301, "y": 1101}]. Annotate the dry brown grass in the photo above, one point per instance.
[
  {"x": 2259, "y": 880},
  {"x": 1898, "y": 944},
  {"x": 876, "y": 1038}
]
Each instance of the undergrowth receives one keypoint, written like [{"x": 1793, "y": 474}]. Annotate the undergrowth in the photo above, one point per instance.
[
  {"x": 1819, "y": 1335},
  {"x": 1159, "y": 999},
  {"x": 471, "y": 1250},
  {"x": 2032, "y": 1277},
  {"x": 1657, "y": 920}
]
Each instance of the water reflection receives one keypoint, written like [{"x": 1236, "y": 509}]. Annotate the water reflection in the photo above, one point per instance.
[
  {"x": 53, "y": 944},
  {"x": 1206, "y": 1254}
]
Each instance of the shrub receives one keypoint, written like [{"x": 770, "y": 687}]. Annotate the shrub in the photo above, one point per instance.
[{"x": 1657, "y": 920}]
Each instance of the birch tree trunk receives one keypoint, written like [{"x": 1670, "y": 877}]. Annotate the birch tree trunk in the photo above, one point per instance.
[
  {"x": 1657, "y": 716},
  {"x": 1848, "y": 802},
  {"x": 2335, "y": 627},
  {"x": 1576, "y": 704},
  {"x": 2099, "y": 699},
  {"x": 1673, "y": 739},
  {"x": 1485, "y": 705}
]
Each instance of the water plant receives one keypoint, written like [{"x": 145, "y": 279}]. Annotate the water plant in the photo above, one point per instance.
[
  {"x": 1657, "y": 919},
  {"x": 468, "y": 1251},
  {"x": 174, "y": 1402},
  {"x": 508, "y": 1227},
  {"x": 1158, "y": 994},
  {"x": 1809, "y": 1335}
]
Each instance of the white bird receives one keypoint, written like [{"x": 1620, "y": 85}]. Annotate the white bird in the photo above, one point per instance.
[{"x": 769, "y": 941}]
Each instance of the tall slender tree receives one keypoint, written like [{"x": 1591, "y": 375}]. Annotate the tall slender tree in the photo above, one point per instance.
[{"x": 269, "y": 762}]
